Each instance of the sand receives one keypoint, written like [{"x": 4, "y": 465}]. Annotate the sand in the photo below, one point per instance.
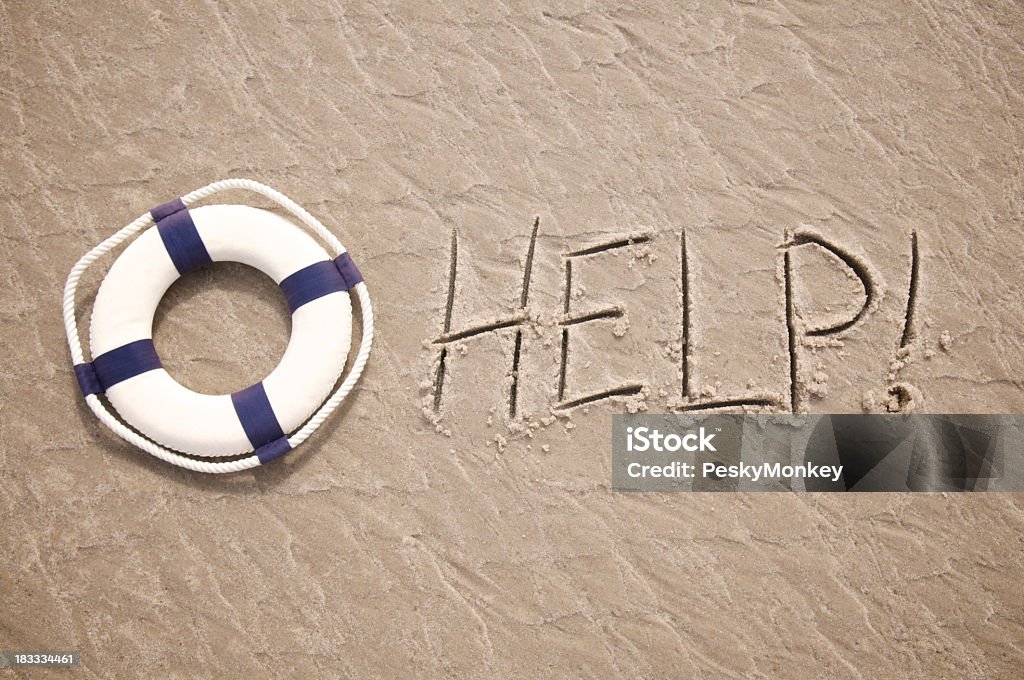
[{"x": 443, "y": 536}]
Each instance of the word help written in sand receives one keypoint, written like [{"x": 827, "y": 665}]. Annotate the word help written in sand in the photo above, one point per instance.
[{"x": 797, "y": 334}]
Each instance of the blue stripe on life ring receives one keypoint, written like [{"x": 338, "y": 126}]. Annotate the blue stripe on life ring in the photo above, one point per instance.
[
  {"x": 117, "y": 365},
  {"x": 312, "y": 282},
  {"x": 259, "y": 422},
  {"x": 273, "y": 449},
  {"x": 88, "y": 381},
  {"x": 348, "y": 270},
  {"x": 180, "y": 236},
  {"x": 320, "y": 279}
]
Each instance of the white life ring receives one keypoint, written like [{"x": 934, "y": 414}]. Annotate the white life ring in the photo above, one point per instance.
[{"x": 174, "y": 420}]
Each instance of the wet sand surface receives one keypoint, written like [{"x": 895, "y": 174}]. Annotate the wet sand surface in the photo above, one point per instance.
[{"x": 647, "y": 166}]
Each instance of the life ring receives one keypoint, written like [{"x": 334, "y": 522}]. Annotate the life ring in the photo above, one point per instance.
[{"x": 179, "y": 425}]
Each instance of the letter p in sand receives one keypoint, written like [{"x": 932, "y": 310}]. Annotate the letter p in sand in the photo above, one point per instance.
[{"x": 797, "y": 330}]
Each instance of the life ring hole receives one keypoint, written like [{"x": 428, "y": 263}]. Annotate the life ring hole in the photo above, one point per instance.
[{"x": 222, "y": 328}]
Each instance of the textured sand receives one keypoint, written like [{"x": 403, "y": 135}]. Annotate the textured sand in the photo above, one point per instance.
[{"x": 405, "y": 540}]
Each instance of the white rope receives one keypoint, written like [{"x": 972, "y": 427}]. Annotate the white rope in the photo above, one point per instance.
[{"x": 145, "y": 221}]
